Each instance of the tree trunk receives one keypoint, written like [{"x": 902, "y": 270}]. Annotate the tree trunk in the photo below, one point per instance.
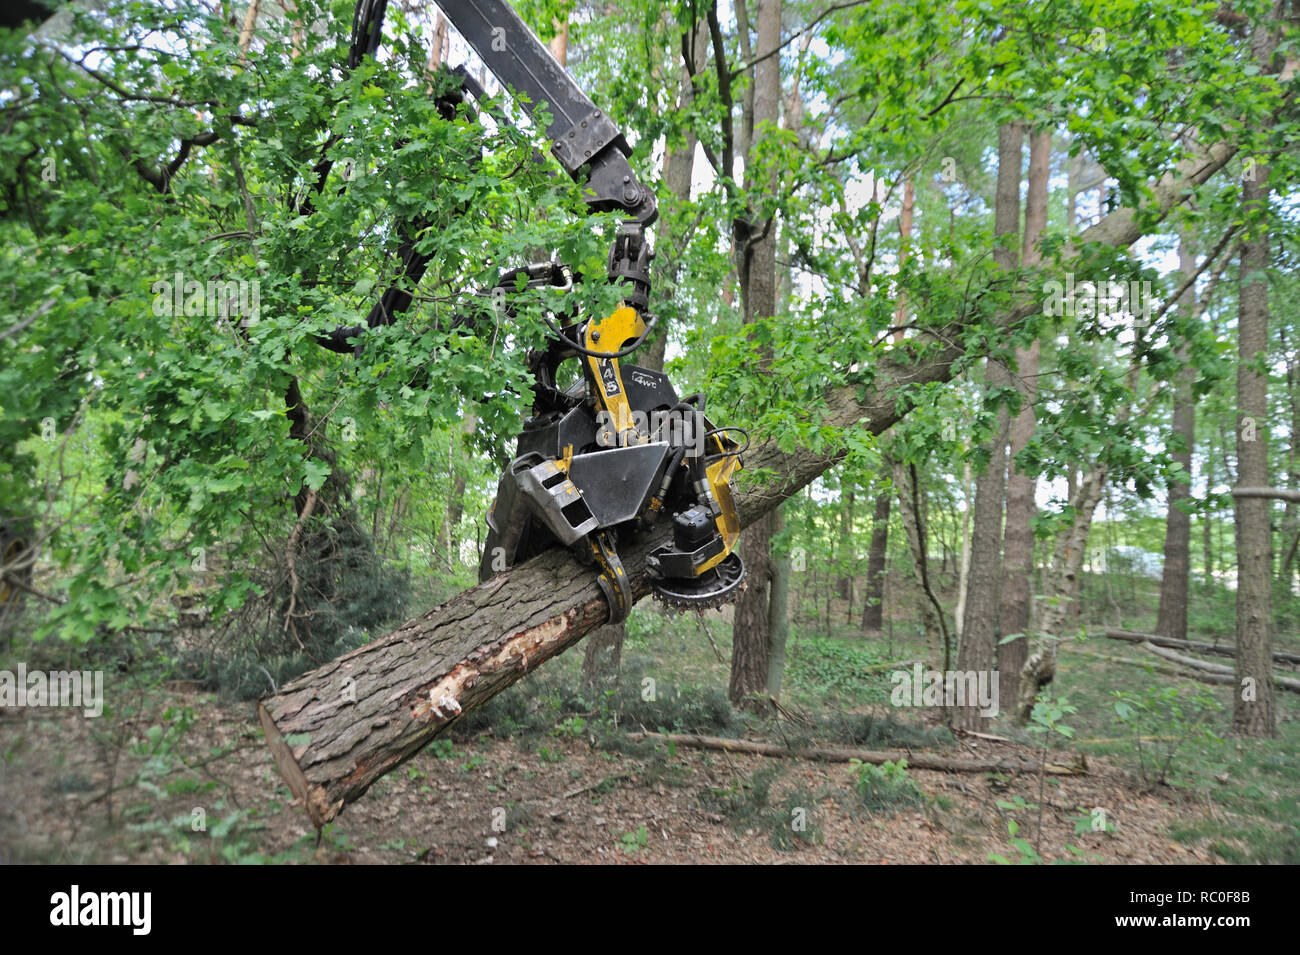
[
  {"x": 673, "y": 232},
  {"x": 1171, "y": 619},
  {"x": 873, "y": 611},
  {"x": 912, "y": 516},
  {"x": 1253, "y": 712},
  {"x": 980, "y": 626},
  {"x": 560, "y": 42},
  {"x": 778, "y": 615},
  {"x": 438, "y": 48},
  {"x": 1291, "y": 523},
  {"x": 963, "y": 570},
  {"x": 337, "y": 729},
  {"x": 904, "y": 250},
  {"x": 1016, "y": 597},
  {"x": 848, "y": 557},
  {"x": 751, "y": 631},
  {"x": 602, "y": 656},
  {"x": 1207, "y": 525},
  {"x": 1062, "y": 590},
  {"x": 751, "y": 637}
]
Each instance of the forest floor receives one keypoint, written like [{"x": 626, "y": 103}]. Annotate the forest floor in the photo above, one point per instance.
[
  {"x": 565, "y": 802},
  {"x": 542, "y": 774}
]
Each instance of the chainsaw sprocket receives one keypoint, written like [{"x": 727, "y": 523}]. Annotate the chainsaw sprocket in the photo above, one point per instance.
[{"x": 715, "y": 587}]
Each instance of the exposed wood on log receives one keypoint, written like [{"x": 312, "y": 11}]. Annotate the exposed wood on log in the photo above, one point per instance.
[
  {"x": 833, "y": 754},
  {"x": 1227, "y": 650},
  {"x": 338, "y": 729}
]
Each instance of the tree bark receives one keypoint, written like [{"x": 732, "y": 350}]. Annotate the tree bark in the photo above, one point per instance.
[
  {"x": 1062, "y": 590},
  {"x": 1253, "y": 706},
  {"x": 603, "y": 655},
  {"x": 1016, "y": 597},
  {"x": 1291, "y": 525},
  {"x": 1171, "y": 619},
  {"x": 560, "y": 42},
  {"x": 873, "y": 611},
  {"x": 756, "y": 255},
  {"x": 963, "y": 568},
  {"x": 778, "y": 605},
  {"x": 751, "y": 629},
  {"x": 912, "y": 516},
  {"x": 847, "y": 561},
  {"x": 980, "y": 627}
]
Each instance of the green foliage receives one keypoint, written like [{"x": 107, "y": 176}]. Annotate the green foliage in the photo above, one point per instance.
[
  {"x": 887, "y": 788},
  {"x": 1162, "y": 719},
  {"x": 196, "y": 448},
  {"x": 748, "y": 804},
  {"x": 634, "y": 842},
  {"x": 571, "y": 727},
  {"x": 1046, "y": 715},
  {"x": 550, "y": 754},
  {"x": 821, "y": 664},
  {"x": 1025, "y": 852},
  {"x": 442, "y": 748}
]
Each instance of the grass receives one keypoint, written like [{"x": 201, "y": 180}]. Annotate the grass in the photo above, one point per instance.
[{"x": 1238, "y": 798}]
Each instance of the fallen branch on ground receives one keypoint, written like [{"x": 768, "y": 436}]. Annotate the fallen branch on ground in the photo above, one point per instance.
[
  {"x": 833, "y": 754},
  {"x": 1131, "y": 636},
  {"x": 1223, "y": 677},
  {"x": 1286, "y": 683}
]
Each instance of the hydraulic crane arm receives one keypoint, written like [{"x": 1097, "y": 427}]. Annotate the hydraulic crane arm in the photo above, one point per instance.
[{"x": 581, "y": 135}]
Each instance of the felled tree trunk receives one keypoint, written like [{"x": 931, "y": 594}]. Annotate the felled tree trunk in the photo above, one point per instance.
[{"x": 337, "y": 729}]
